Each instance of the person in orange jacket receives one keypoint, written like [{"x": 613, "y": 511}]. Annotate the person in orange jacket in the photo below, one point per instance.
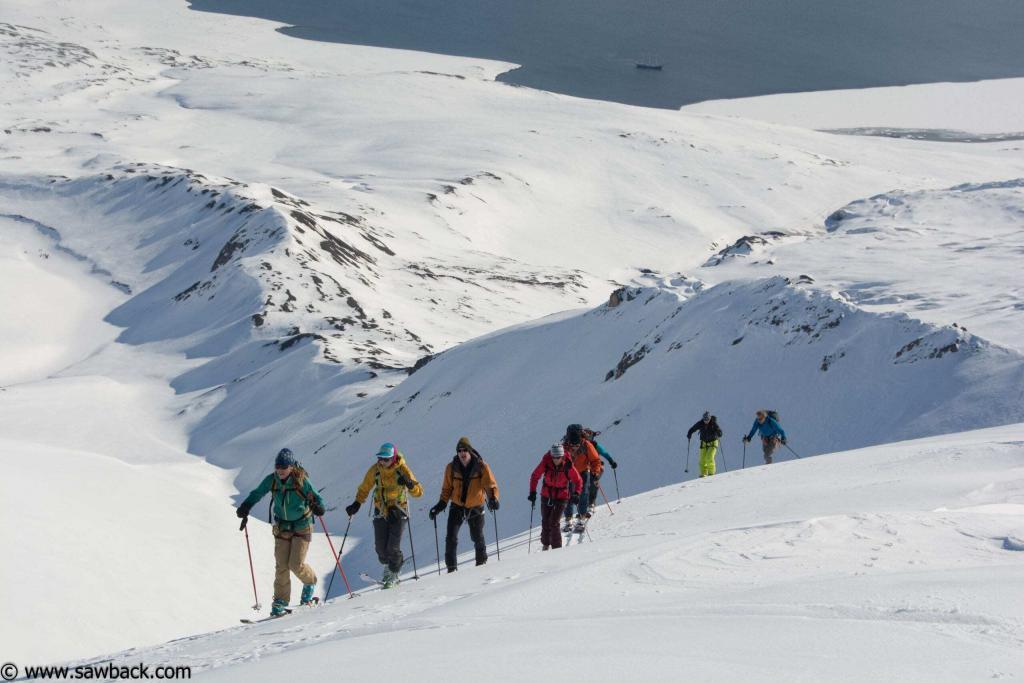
[
  {"x": 562, "y": 484},
  {"x": 588, "y": 463},
  {"x": 468, "y": 482}
]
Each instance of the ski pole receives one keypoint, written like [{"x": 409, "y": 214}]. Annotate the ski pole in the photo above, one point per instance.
[
  {"x": 245, "y": 520},
  {"x": 601, "y": 489},
  {"x": 337, "y": 558},
  {"x": 340, "y": 553},
  {"x": 437, "y": 546},
  {"x": 529, "y": 538},
  {"x": 497, "y": 547},
  {"x": 792, "y": 451},
  {"x": 687, "y": 456},
  {"x": 616, "y": 475},
  {"x": 722, "y": 451},
  {"x": 412, "y": 549},
  {"x": 744, "y": 456}
]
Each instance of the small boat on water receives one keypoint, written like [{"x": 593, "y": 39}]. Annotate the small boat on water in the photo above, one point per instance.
[{"x": 649, "y": 66}]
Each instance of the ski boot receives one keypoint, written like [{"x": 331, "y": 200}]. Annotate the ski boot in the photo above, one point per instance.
[
  {"x": 545, "y": 547},
  {"x": 307, "y": 594},
  {"x": 568, "y": 525},
  {"x": 580, "y": 526},
  {"x": 390, "y": 579},
  {"x": 279, "y": 608}
]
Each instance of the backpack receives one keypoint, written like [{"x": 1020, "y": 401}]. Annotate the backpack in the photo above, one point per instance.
[
  {"x": 294, "y": 488},
  {"x": 589, "y": 434},
  {"x": 773, "y": 414}
]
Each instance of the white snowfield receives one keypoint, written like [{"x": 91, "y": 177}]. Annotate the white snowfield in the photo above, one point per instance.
[
  {"x": 216, "y": 241},
  {"x": 986, "y": 107},
  {"x": 893, "y": 563}
]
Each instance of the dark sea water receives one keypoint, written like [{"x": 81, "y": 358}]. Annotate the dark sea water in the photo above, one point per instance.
[{"x": 710, "y": 49}]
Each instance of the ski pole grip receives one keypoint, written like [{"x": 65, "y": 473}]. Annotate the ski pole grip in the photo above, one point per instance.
[{"x": 245, "y": 520}]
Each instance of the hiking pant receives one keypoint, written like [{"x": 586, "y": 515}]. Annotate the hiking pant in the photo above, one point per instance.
[
  {"x": 290, "y": 556},
  {"x": 476, "y": 518},
  {"x": 584, "y": 503},
  {"x": 591, "y": 493},
  {"x": 551, "y": 522},
  {"x": 707, "y": 458},
  {"x": 769, "y": 445},
  {"x": 387, "y": 538}
]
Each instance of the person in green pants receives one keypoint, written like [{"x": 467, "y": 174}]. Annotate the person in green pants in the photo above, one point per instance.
[
  {"x": 710, "y": 433},
  {"x": 294, "y": 503}
]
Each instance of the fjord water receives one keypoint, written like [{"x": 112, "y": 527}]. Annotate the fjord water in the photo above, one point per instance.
[{"x": 710, "y": 49}]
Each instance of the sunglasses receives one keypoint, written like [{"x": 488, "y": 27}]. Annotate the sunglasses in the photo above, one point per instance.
[{"x": 462, "y": 450}]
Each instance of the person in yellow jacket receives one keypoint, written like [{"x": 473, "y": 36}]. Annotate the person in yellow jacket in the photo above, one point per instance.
[
  {"x": 392, "y": 482},
  {"x": 468, "y": 481}
]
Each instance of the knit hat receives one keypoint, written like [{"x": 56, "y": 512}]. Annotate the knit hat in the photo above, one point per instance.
[
  {"x": 557, "y": 451},
  {"x": 464, "y": 444},
  {"x": 574, "y": 433},
  {"x": 284, "y": 458},
  {"x": 387, "y": 450}
]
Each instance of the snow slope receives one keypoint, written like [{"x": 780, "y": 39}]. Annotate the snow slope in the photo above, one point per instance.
[
  {"x": 945, "y": 256},
  {"x": 114, "y": 535},
  {"x": 893, "y": 563},
  {"x": 985, "y": 107},
  {"x": 280, "y": 229},
  {"x": 644, "y": 370}
]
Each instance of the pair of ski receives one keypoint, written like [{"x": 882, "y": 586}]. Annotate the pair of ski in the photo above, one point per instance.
[
  {"x": 316, "y": 601},
  {"x": 287, "y": 610},
  {"x": 373, "y": 581},
  {"x": 579, "y": 530}
]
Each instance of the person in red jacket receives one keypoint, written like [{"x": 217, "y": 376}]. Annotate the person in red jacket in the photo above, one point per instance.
[{"x": 562, "y": 483}]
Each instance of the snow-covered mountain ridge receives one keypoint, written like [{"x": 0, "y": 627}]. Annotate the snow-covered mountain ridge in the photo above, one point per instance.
[{"x": 842, "y": 377}]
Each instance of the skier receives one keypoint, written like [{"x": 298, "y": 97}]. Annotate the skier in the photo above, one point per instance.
[
  {"x": 468, "y": 481},
  {"x": 766, "y": 422},
  {"x": 586, "y": 461},
  {"x": 710, "y": 433},
  {"x": 294, "y": 503},
  {"x": 591, "y": 436},
  {"x": 392, "y": 481},
  {"x": 561, "y": 484}
]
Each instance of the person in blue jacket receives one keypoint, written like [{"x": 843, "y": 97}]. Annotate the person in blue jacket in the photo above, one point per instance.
[{"x": 772, "y": 434}]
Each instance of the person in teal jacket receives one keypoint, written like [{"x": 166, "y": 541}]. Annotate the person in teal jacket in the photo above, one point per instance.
[
  {"x": 772, "y": 434},
  {"x": 294, "y": 502}
]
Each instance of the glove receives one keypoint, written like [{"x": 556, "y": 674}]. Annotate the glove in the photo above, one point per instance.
[
  {"x": 243, "y": 510},
  {"x": 746, "y": 439},
  {"x": 407, "y": 483},
  {"x": 575, "y": 499},
  {"x": 614, "y": 465},
  {"x": 353, "y": 508},
  {"x": 493, "y": 504},
  {"x": 437, "y": 509},
  {"x": 532, "y": 497},
  {"x": 317, "y": 508},
  {"x": 783, "y": 441}
]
